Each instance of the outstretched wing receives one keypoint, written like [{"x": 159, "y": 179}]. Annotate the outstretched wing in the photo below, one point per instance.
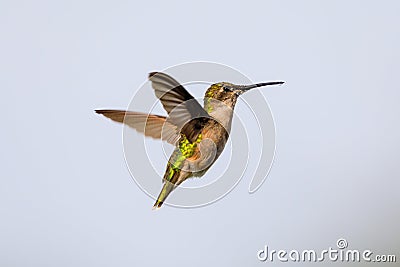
[
  {"x": 154, "y": 126},
  {"x": 184, "y": 111}
]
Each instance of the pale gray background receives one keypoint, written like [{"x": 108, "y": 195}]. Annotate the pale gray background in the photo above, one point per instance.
[{"x": 66, "y": 197}]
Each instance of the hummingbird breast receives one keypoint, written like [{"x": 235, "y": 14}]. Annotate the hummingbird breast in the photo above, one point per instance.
[
  {"x": 217, "y": 133},
  {"x": 194, "y": 159},
  {"x": 214, "y": 138}
]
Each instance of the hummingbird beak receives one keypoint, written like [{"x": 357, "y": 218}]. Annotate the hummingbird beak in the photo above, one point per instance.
[{"x": 245, "y": 88}]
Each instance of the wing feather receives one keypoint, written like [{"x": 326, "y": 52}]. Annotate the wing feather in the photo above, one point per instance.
[
  {"x": 183, "y": 109},
  {"x": 150, "y": 125}
]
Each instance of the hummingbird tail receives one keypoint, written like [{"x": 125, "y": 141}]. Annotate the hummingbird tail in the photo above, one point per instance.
[{"x": 165, "y": 191}]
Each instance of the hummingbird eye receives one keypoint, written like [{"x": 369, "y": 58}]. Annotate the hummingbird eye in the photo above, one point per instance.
[{"x": 226, "y": 88}]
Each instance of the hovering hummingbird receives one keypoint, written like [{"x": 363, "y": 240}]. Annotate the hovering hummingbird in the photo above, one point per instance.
[{"x": 198, "y": 133}]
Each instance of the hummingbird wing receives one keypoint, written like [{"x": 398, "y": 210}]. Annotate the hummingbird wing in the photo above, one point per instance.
[
  {"x": 150, "y": 125},
  {"x": 184, "y": 111}
]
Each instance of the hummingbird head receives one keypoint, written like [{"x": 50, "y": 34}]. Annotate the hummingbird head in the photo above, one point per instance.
[
  {"x": 220, "y": 99},
  {"x": 240, "y": 89},
  {"x": 224, "y": 90},
  {"x": 226, "y": 94}
]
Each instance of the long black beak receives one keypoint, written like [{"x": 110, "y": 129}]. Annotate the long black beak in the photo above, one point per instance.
[{"x": 248, "y": 87}]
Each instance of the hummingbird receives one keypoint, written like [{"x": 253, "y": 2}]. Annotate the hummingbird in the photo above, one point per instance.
[{"x": 199, "y": 133}]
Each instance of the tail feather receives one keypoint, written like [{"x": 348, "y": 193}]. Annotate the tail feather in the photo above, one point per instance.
[{"x": 165, "y": 191}]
